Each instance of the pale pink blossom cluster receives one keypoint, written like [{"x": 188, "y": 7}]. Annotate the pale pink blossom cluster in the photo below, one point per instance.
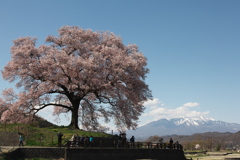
[
  {"x": 91, "y": 74},
  {"x": 11, "y": 111}
]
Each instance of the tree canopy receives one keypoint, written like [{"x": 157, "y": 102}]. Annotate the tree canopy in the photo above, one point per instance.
[{"x": 92, "y": 75}]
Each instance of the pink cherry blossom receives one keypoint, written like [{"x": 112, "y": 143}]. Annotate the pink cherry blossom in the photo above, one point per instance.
[{"x": 90, "y": 74}]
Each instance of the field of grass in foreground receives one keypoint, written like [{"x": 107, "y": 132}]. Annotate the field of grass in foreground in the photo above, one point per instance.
[{"x": 36, "y": 136}]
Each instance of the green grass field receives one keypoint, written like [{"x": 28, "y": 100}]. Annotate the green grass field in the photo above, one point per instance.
[{"x": 35, "y": 136}]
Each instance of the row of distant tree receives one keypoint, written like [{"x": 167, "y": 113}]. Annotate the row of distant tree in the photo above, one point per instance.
[{"x": 203, "y": 141}]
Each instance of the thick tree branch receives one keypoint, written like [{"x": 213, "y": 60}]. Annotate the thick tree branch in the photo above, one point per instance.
[{"x": 50, "y": 104}]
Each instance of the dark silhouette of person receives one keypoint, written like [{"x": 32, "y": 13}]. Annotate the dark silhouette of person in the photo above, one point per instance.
[
  {"x": 176, "y": 145},
  {"x": 82, "y": 140},
  {"x": 161, "y": 143},
  {"x": 59, "y": 135},
  {"x": 86, "y": 141},
  {"x": 124, "y": 140},
  {"x": 119, "y": 144},
  {"x": 132, "y": 142},
  {"x": 171, "y": 143},
  {"x": 78, "y": 140}
]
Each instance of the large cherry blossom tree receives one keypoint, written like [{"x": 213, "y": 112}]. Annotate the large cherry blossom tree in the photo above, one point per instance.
[{"x": 92, "y": 75}]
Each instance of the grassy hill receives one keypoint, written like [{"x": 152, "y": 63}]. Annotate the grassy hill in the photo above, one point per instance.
[{"x": 45, "y": 134}]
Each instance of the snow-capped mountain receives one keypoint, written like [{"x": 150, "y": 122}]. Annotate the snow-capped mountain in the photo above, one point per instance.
[{"x": 183, "y": 126}]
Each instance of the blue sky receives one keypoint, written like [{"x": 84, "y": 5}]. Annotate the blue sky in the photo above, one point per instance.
[{"x": 192, "y": 47}]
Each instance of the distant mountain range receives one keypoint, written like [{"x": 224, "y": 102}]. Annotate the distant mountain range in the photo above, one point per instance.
[{"x": 183, "y": 126}]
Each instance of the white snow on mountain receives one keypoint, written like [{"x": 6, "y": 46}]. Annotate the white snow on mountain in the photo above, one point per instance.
[
  {"x": 192, "y": 121},
  {"x": 184, "y": 126}
]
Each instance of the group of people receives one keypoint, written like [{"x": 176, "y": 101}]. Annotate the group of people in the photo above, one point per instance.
[
  {"x": 122, "y": 141},
  {"x": 171, "y": 144},
  {"x": 82, "y": 141},
  {"x": 77, "y": 141}
]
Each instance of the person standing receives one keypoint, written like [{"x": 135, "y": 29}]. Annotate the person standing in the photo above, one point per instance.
[
  {"x": 161, "y": 143},
  {"x": 132, "y": 142},
  {"x": 78, "y": 139},
  {"x": 171, "y": 143},
  {"x": 119, "y": 144},
  {"x": 161, "y": 140},
  {"x": 124, "y": 140},
  {"x": 21, "y": 139},
  {"x": 82, "y": 141},
  {"x": 75, "y": 140},
  {"x": 59, "y": 135},
  {"x": 176, "y": 145},
  {"x": 86, "y": 142},
  {"x": 91, "y": 141}
]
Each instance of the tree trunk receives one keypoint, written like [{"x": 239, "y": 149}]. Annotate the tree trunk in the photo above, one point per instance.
[{"x": 74, "y": 118}]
